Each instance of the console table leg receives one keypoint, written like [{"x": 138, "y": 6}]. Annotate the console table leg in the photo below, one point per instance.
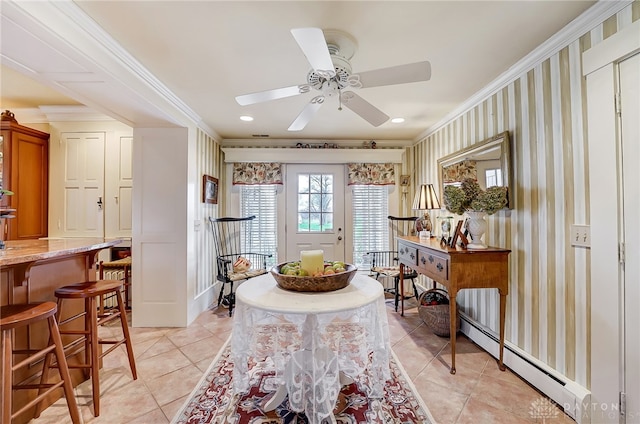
[
  {"x": 503, "y": 304},
  {"x": 453, "y": 315},
  {"x": 401, "y": 290}
]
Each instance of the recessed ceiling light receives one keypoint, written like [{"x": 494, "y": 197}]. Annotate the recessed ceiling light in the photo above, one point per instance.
[
  {"x": 397, "y": 120},
  {"x": 246, "y": 118}
]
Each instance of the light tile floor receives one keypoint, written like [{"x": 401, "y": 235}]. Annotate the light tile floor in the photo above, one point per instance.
[{"x": 171, "y": 361}]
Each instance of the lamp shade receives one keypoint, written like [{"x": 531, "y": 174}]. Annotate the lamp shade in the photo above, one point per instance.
[{"x": 426, "y": 198}]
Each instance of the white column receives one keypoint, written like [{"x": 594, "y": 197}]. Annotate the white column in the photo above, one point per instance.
[{"x": 160, "y": 216}]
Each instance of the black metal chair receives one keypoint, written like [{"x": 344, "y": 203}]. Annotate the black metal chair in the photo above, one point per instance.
[
  {"x": 384, "y": 264},
  {"x": 232, "y": 263}
]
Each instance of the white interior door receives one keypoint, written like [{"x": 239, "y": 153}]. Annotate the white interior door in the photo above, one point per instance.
[
  {"x": 118, "y": 187},
  {"x": 83, "y": 184},
  {"x": 315, "y": 210},
  {"x": 630, "y": 111}
]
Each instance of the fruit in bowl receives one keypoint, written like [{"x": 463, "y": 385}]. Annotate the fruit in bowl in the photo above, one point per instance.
[
  {"x": 336, "y": 275},
  {"x": 330, "y": 267}
]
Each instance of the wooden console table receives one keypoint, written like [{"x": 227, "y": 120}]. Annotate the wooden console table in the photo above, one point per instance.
[{"x": 457, "y": 269}]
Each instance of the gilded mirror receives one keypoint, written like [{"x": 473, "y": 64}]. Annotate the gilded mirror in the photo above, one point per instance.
[{"x": 488, "y": 162}]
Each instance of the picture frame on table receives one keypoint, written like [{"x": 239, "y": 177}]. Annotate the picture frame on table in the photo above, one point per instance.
[
  {"x": 456, "y": 234},
  {"x": 209, "y": 189}
]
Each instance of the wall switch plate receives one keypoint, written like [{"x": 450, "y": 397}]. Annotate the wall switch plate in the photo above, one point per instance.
[{"x": 580, "y": 235}]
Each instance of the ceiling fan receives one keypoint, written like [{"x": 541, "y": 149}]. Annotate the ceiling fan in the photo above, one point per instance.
[{"x": 329, "y": 52}]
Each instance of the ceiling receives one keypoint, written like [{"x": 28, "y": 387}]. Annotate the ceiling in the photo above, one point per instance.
[{"x": 208, "y": 52}]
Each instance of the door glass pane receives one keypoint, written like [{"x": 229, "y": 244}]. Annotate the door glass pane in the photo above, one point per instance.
[
  {"x": 315, "y": 202},
  {"x": 327, "y": 222},
  {"x": 327, "y": 183},
  {"x": 327, "y": 202},
  {"x": 303, "y": 203},
  {"x": 315, "y": 183},
  {"x": 315, "y": 221},
  {"x": 303, "y": 222},
  {"x": 303, "y": 183}
]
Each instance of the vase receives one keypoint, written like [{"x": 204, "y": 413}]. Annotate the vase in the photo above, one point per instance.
[{"x": 476, "y": 225}]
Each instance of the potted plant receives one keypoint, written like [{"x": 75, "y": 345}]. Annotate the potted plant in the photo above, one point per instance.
[
  {"x": 3, "y": 192},
  {"x": 469, "y": 198}
]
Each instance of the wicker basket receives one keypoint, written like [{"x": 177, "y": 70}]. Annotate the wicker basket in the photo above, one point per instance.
[
  {"x": 436, "y": 317},
  {"x": 323, "y": 283}
]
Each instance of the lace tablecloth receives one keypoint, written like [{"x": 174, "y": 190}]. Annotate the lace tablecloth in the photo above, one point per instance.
[{"x": 312, "y": 339}]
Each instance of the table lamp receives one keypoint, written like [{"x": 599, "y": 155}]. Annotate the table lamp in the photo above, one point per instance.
[{"x": 425, "y": 200}]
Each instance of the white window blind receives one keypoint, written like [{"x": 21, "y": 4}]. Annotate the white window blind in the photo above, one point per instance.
[
  {"x": 370, "y": 227},
  {"x": 261, "y": 236}
]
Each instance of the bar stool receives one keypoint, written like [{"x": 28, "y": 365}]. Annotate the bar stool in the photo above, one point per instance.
[
  {"x": 15, "y": 316},
  {"x": 91, "y": 292}
]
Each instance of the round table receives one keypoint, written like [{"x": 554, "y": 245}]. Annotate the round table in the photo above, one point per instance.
[{"x": 312, "y": 339}]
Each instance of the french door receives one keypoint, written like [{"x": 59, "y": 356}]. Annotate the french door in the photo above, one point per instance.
[{"x": 315, "y": 210}]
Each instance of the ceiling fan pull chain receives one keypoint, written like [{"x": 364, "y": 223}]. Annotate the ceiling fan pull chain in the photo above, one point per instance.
[{"x": 339, "y": 99}]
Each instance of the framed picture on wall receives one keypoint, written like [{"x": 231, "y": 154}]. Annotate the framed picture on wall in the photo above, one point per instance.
[{"x": 209, "y": 189}]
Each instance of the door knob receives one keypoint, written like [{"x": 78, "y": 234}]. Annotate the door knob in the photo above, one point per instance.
[
  {"x": 99, "y": 202},
  {"x": 339, "y": 238}
]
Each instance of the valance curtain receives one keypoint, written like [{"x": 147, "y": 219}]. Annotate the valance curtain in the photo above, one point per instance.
[
  {"x": 371, "y": 174},
  {"x": 460, "y": 172},
  {"x": 253, "y": 173}
]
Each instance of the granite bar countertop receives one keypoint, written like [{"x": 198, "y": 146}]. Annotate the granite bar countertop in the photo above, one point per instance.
[{"x": 23, "y": 251}]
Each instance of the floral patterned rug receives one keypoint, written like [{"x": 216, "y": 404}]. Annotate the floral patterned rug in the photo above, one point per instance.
[{"x": 213, "y": 400}]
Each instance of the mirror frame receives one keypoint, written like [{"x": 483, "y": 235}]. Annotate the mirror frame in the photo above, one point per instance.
[{"x": 501, "y": 140}]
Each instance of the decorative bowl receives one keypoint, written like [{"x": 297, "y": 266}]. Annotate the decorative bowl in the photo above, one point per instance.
[{"x": 323, "y": 283}]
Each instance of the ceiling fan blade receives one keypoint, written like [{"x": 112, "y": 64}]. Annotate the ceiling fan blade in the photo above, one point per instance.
[
  {"x": 307, "y": 113},
  {"x": 366, "y": 110},
  {"x": 401, "y": 74},
  {"x": 265, "y": 96},
  {"x": 314, "y": 47}
]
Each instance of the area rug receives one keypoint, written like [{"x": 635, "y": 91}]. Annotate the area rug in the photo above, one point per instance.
[{"x": 213, "y": 400}]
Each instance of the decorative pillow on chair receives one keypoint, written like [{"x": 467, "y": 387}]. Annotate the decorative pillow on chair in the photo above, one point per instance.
[
  {"x": 389, "y": 271},
  {"x": 241, "y": 264}
]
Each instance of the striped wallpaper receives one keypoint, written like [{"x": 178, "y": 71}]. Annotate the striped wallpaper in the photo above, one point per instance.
[
  {"x": 209, "y": 162},
  {"x": 544, "y": 111}
]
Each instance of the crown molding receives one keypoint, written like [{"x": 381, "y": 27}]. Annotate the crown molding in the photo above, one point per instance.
[
  {"x": 63, "y": 113},
  {"x": 73, "y": 114},
  {"x": 100, "y": 36},
  {"x": 581, "y": 25},
  {"x": 29, "y": 115}
]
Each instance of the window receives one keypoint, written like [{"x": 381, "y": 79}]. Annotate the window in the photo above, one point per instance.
[
  {"x": 261, "y": 236},
  {"x": 493, "y": 177},
  {"x": 370, "y": 227},
  {"x": 315, "y": 203}
]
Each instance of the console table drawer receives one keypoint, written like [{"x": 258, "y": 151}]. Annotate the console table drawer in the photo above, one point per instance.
[
  {"x": 407, "y": 255},
  {"x": 433, "y": 266}
]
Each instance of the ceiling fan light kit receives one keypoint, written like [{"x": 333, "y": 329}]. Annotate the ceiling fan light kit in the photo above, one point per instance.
[{"x": 331, "y": 74}]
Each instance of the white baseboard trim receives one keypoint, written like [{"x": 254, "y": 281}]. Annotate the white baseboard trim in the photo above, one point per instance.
[{"x": 572, "y": 397}]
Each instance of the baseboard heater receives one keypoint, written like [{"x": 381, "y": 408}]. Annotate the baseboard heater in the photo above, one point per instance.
[
  {"x": 572, "y": 397},
  {"x": 112, "y": 274}
]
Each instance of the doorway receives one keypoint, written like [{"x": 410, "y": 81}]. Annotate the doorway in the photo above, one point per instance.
[{"x": 315, "y": 210}]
